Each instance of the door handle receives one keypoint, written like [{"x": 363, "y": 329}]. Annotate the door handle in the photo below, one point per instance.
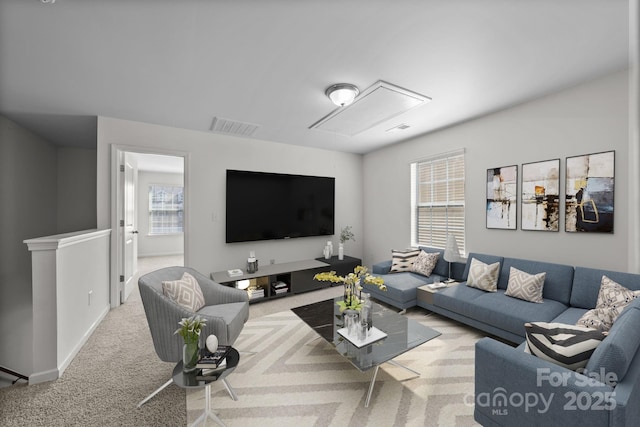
[{"x": 134, "y": 232}]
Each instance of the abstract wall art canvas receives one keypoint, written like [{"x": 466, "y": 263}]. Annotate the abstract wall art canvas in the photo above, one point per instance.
[
  {"x": 502, "y": 200},
  {"x": 589, "y": 193},
  {"x": 541, "y": 195}
]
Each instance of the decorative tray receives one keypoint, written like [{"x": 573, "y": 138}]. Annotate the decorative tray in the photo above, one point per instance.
[{"x": 374, "y": 335}]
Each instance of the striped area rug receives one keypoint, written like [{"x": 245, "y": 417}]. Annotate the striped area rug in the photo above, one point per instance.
[{"x": 296, "y": 379}]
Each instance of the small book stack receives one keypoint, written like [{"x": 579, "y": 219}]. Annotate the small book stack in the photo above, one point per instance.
[
  {"x": 279, "y": 288},
  {"x": 255, "y": 293},
  {"x": 209, "y": 360},
  {"x": 235, "y": 272}
]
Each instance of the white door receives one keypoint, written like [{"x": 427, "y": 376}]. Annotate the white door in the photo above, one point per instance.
[{"x": 129, "y": 227}]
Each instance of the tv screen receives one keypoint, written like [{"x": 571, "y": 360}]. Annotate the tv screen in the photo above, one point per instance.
[{"x": 266, "y": 206}]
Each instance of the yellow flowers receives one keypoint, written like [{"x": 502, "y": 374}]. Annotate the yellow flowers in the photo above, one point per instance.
[{"x": 352, "y": 285}]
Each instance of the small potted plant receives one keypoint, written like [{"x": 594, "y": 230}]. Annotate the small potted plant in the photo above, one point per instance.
[
  {"x": 189, "y": 330},
  {"x": 345, "y": 235}
]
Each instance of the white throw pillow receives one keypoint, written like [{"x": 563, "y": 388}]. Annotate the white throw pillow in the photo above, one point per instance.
[
  {"x": 483, "y": 276},
  {"x": 612, "y": 299},
  {"x": 525, "y": 286},
  {"x": 186, "y": 292}
]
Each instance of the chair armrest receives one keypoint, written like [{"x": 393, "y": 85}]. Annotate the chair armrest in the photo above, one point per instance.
[
  {"x": 383, "y": 267},
  {"x": 516, "y": 388}
]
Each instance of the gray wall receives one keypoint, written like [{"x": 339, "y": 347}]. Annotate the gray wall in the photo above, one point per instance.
[
  {"x": 33, "y": 179},
  {"x": 589, "y": 118},
  {"x": 76, "y": 189},
  {"x": 208, "y": 156},
  {"x": 155, "y": 245}
]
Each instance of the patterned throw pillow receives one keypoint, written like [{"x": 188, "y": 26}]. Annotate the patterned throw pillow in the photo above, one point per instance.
[
  {"x": 185, "y": 292},
  {"x": 483, "y": 276},
  {"x": 565, "y": 345},
  {"x": 425, "y": 263},
  {"x": 403, "y": 260},
  {"x": 612, "y": 299},
  {"x": 525, "y": 286}
]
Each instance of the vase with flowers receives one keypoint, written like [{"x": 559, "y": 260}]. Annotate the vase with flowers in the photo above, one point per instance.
[
  {"x": 352, "y": 285},
  {"x": 345, "y": 235},
  {"x": 189, "y": 330}
]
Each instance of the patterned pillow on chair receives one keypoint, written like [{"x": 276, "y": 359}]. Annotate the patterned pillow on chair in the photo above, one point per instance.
[{"x": 185, "y": 291}]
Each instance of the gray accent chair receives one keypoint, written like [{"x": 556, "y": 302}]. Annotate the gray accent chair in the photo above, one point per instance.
[{"x": 226, "y": 310}]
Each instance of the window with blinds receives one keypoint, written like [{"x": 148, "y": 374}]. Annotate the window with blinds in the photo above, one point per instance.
[
  {"x": 166, "y": 209},
  {"x": 438, "y": 200}
]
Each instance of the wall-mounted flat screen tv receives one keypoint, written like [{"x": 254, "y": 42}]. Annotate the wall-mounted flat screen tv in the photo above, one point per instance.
[{"x": 266, "y": 206}]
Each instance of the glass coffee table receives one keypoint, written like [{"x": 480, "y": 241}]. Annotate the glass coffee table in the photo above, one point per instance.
[{"x": 403, "y": 334}]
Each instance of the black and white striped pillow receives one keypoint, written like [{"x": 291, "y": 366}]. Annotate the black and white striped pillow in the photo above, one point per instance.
[
  {"x": 403, "y": 260},
  {"x": 570, "y": 346}
]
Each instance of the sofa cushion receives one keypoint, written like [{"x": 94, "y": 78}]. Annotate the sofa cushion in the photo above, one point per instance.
[
  {"x": 487, "y": 259},
  {"x": 594, "y": 319},
  {"x": 402, "y": 260},
  {"x": 442, "y": 266},
  {"x": 613, "y": 357},
  {"x": 511, "y": 314},
  {"x": 569, "y": 346},
  {"x": 525, "y": 286},
  {"x": 425, "y": 263},
  {"x": 458, "y": 298},
  {"x": 483, "y": 276},
  {"x": 587, "y": 281},
  {"x": 402, "y": 287},
  {"x": 185, "y": 292},
  {"x": 570, "y": 316},
  {"x": 557, "y": 282}
]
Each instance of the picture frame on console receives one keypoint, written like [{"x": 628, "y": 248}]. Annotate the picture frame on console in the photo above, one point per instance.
[
  {"x": 502, "y": 197},
  {"x": 540, "y": 200}
]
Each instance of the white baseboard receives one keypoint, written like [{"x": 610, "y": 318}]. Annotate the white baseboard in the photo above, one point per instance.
[
  {"x": 67, "y": 361},
  {"x": 54, "y": 374},
  {"x": 146, "y": 255}
]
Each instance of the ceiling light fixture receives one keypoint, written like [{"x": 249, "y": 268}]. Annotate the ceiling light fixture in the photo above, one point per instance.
[{"x": 342, "y": 94}]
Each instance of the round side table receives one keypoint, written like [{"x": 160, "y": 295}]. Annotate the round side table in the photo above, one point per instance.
[{"x": 195, "y": 379}]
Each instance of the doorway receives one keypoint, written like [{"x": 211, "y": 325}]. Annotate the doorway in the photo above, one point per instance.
[{"x": 151, "y": 216}]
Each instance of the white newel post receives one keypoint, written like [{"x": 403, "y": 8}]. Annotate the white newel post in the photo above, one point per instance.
[{"x": 70, "y": 288}]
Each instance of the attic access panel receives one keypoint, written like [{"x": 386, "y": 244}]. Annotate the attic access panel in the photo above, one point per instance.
[{"x": 380, "y": 102}]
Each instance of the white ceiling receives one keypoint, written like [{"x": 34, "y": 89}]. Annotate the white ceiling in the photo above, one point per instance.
[{"x": 268, "y": 62}]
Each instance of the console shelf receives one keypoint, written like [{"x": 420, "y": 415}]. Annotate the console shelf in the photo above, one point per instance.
[{"x": 296, "y": 277}]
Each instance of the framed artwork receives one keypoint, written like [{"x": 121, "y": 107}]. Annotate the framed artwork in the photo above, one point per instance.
[
  {"x": 541, "y": 195},
  {"x": 502, "y": 197},
  {"x": 589, "y": 193}
]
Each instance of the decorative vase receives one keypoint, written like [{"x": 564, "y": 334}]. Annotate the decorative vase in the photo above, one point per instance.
[
  {"x": 341, "y": 251},
  {"x": 190, "y": 355}
]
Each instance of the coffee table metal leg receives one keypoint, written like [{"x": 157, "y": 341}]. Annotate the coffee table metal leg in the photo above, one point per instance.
[
  {"x": 394, "y": 363},
  {"x": 207, "y": 410},
  {"x": 371, "y": 385}
]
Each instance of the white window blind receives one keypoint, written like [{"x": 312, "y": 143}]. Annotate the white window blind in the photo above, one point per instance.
[
  {"x": 166, "y": 209},
  {"x": 438, "y": 200}
]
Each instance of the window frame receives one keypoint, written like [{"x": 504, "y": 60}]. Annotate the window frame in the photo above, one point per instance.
[
  {"x": 179, "y": 227},
  {"x": 441, "y": 233}
]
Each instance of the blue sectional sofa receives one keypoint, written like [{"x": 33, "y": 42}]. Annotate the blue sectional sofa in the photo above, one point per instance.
[
  {"x": 402, "y": 287},
  {"x": 513, "y": 387}
]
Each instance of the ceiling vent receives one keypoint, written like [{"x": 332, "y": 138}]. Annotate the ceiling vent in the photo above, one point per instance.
[
  {"x": 377, "y": 104},
  {"x": 232, "y": 127}
]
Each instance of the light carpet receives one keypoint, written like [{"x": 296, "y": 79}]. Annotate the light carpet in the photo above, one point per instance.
[{"x": 297, "y": 380}]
